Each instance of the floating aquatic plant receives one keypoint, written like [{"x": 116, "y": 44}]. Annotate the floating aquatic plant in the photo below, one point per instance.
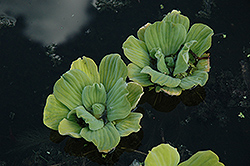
[
  {"x": 166, "y": 155},
  {"x": 169, "y": 55},
  {"x": 94, "y": 105}
]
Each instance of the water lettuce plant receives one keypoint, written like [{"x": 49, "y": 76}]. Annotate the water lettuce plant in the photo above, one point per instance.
[
  {"x": 166, "y": 155},
  {"x": 169, "y": 55},
  {"x": 94, "y": 105}
]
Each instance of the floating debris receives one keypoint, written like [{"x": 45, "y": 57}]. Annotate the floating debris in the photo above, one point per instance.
[
  {"x": 51, "y": 52},
  {"x": 7, "y": 21},
  {"x": 245, "y": 73},
  {"x": 206, "y": 9},
  {"x": 110, "y": 5}
]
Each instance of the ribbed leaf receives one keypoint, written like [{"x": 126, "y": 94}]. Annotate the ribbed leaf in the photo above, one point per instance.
[
  {"x": 118, "y": 106},
  {"x": 68, "y": 89},
  {"x": 161, "y": 79},
  {"x": 176, "y": 17},
  {"x": 70, "y": 128},
  {"x": 135, "y": 92},
  {"x": 128, "y": 125},
  {"x": 111, "y": 69},
  {"x": 181, "y": 64},
  {"x": 162, "y": 155},
  {"x": 203, "y": 158},
  {"x": 204, "y": 64},
  {"x": 92, "y": 94},
  {"x": 197, "y": 78},
  {"x": 136, "y": 51},
  {"x": 161, "y": 65},
  {"x": 203, "y": 35},
  {"x": 88, "y": 66},
  {"x": 87, "y": 117},
  {"x": 141, "y": 31},
  {"x": 165, "y": 35},
  {"x": 134, "y": 74},
  {"x": 170, "y": 91},
  {"x": 54, "y": 112},
  {"x": 105, "y": 138}
]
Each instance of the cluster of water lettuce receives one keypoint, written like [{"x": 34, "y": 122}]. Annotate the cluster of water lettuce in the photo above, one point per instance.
[
  {"x": 165, "y": 154},
  {"x": 95, "y": 105},
  {"x": 168, "y": 55}
]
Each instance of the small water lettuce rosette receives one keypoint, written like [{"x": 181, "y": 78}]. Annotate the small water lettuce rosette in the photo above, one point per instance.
[
  {"x": 166, "y": 155},
  {"x": 95, "y": 105},
  {"x": 169, "y": 55}
]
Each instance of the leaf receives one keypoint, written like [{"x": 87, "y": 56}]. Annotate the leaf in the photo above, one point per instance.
[
  {"x": 134, "y": 73},
  {"x": 203, "y": 158},
  {"x": 88, "y": 66},
  {"x": 105, "y": 138},
  {"x": 170, "y": 91},
  {"x": 204, "y": 64},
  {"x": 176, "y": 17},
  {"x": 135, "y": 92},
  {"x": 162, "y": 155},
  {"x": 136, "y": 51},
  {"x": 165, "y": 35},
  {"x": 81, "y": 112},
  {"x": 128, "y": 125},
  {"x": 203, "y": 35},
  {"x": 68, "y": 89},
  {"x": 197, "y": 78},
  {"x": 92, "y": 94},
  {"x": 118, "y": 106},
  {"x": 54, "y": 112},
  {"x": 161, "y": 79},
  {"x": 141, "y": 31},
  {"x": 181, "y": 64},
  {"x": 70, "y": 128},
  {"x": 111, "y": 69},
  {"x": 161, "y": 65}
]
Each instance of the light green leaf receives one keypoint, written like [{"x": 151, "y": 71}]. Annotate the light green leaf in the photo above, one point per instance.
[
  {"x": 98, "y": 110},
  {"x": 111, "y": 69},
  {"x": 203, "y": 35},
  {"x": 128, "y": 125},
  {"x": 181, "y": 64},
  {"x": 88, "y": 66},
  {"x": 70, "y": 128},
  {"x": 68, "y": 89},
  {"x": 105, "y": 138},
  {"x": 118, "y": 106},
  {"x": 162, "y": 155},
  {"x": 92, "y": 94},
  {"x": 203, "y": 64},
  {"x": 203, "y": 158},
  {"x": 136, "y": 51},
  {"x": 134, "y": 73},
  {"x": 161, "y": 65},
  {"x": 81, "y": 112},
  {"x": 165, "y": 35},
  {"x": 54, "y": 112},
  {"x": 135, "y": 92},
  {"x": 176, "y": 17},
  {"x": 197, "y": 78},
  {"x": 141, "y": 31},
  {"x": 170, "y": 91},
  {"x": 161, "y": 79}
]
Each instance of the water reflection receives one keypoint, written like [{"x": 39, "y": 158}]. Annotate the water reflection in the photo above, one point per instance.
[{"x": 49, "y": 21}]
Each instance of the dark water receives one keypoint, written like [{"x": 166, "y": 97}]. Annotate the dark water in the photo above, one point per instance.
[{"x": 28, "y": 75}]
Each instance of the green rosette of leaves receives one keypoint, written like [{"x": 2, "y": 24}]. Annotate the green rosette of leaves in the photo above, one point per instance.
[
  {"x": 166, "y": 155},
  {"x": 94, "y": 105},
  {"x": 169, "y": 55}
]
